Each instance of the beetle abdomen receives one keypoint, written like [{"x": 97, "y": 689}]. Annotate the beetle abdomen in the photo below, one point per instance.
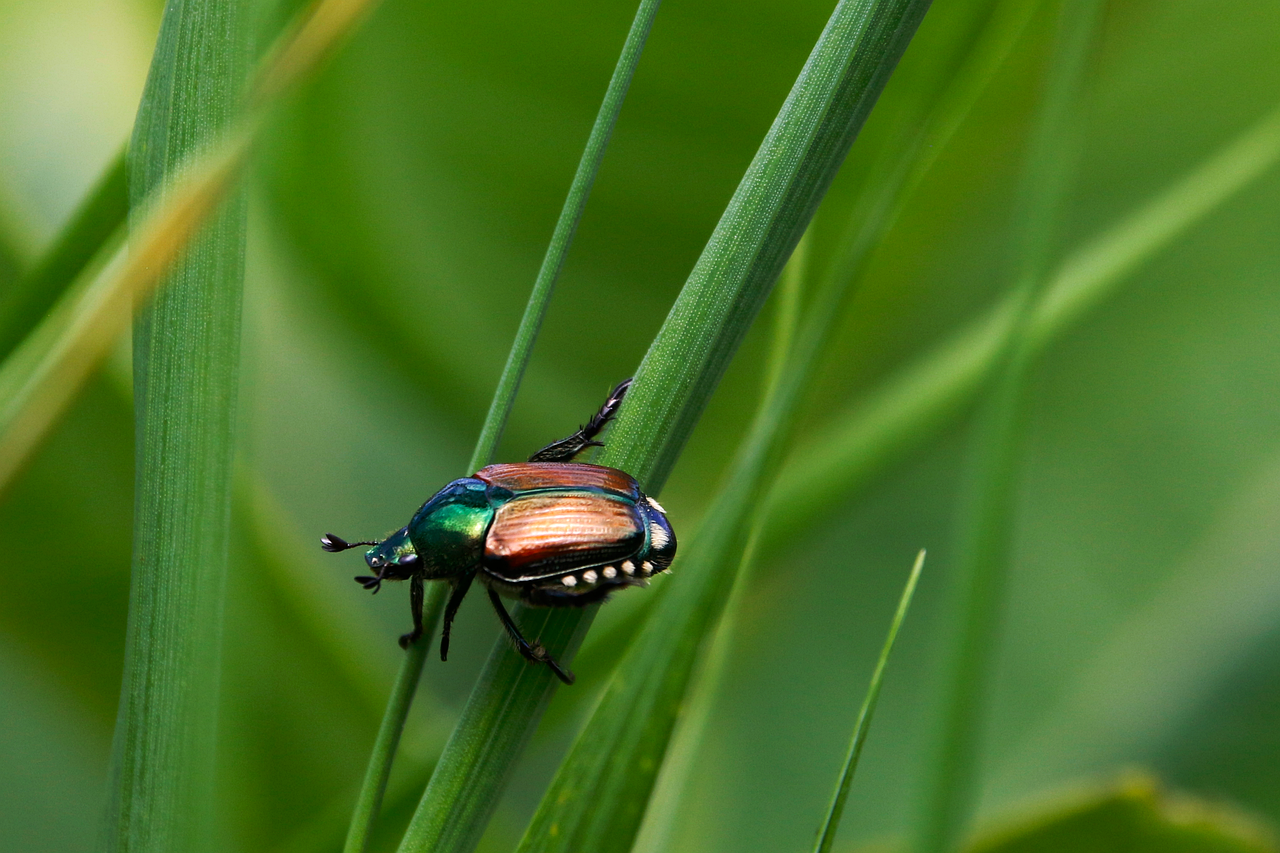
[{"x": 547, "y": 534}]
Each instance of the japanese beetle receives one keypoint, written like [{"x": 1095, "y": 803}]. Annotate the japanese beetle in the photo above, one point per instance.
[{"x": 549, "y": 532}]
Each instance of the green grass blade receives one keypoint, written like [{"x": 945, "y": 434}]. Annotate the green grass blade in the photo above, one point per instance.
[
  {"x": 763, "y": 222},
  {"x": 768, "y": 213},
  {"x": 186, "y": 360},
  {"x": 32, "y": 295},
  {"x": 379, "y": 769},
  {"x": 918, "y": 400},
  {"x": 374, "y": 786},
  {"x": 827, "y": 835},
  {"x": 562, "y": 237},
  {"x": 987, "y": 504}
]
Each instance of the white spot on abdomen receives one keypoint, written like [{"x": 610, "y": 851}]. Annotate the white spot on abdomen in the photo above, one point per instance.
[{"x": 569, "y": 580}]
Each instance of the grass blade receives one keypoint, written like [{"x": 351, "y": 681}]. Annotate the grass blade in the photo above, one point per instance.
[
  {"x": 987, "y": 507},
  {"x": 35, "y": 292},
  {"x": 920, "y": 398},
  {"x": 562, "y": 237},
  {"x": 379, "y": 769},
  {"x": 827, "y": 835},
  {"x": 768, "y": 213},
  {"x": 184, "y": 159},
  {"x": 186, "y": 372}
]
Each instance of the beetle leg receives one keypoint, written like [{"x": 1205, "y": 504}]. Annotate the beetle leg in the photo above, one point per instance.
[
  {"x": 566, "y": 448},
  {"x": 415, "y": 604},
  {"x": 535, "y": 653},
  {"x": 460, "y": 588}
]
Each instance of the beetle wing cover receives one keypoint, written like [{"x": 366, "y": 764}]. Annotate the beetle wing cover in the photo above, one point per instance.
[
  {"x": 541, "y": 535},
  {"x": 533, "y": 476}
]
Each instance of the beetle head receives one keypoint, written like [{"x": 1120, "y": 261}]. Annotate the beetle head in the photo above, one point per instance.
[{"x": 393, "y": 558}]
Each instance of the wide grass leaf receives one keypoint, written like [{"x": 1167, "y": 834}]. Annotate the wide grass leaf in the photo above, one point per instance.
[{"x": 186, "y": 360}]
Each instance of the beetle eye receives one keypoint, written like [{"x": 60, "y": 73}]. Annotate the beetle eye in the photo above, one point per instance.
[{"x": 408, "y": 559}]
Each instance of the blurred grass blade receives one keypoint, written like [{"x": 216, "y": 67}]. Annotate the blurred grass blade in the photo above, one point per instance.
[
  {"x": 1208, "y": 619},
  {"x": 1132, "y": 815},
  {"x": 90, "y": 227},
  {"x": 186, "y": 374},
  {"x": 827, "y": 835},
  {"x": 920, "y": 398},
  {"x": 379, "y": 769},
  {"x": 42, "y": 376},
  {"x": 46, "y": 370},
  {"x": 766, "y": 217},
  {"x": 104, "y": 208},
  {"x": 988, "y": 491},
  {"x": 562, "y": 237}
]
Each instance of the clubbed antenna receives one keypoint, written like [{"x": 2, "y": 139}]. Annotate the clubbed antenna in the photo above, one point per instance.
[{"x": 334, "y": 544}]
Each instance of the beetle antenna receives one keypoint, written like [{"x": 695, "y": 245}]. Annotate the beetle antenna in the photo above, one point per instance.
[{"x": 334, "y": 544}]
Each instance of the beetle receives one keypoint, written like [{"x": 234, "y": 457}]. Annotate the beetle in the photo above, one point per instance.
[{"x": 549, "y": 532}]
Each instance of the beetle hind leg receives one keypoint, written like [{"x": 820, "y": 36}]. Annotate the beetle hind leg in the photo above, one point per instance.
[
  {"x": 534, "y": 653},
  {"x": 566, "y": 448}
]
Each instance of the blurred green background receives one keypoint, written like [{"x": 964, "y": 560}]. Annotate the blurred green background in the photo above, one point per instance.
[{"x": 399, "y": 212}]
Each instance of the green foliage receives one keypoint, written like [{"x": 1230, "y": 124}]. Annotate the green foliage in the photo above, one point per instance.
[{"x": 401, "y": 207}]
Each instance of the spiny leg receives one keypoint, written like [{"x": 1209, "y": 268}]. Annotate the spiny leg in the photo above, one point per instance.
[
  {"x": 567, "y": 448},
  {"x": 460, "y": 588},
  {"x": 535, "y": 653},
  {"x": 415, "y": 604}
]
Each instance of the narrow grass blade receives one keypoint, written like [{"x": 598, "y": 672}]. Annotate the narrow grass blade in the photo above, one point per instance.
[
  {"x": 987, "y": 505},
  {"x": 36, "y": 291},
  {"x": 768, "y": 213},
  {"x": 927, "y": 393},
  {"x": 562, "y": 237},
  {"x": 827, "y": 835},
  {"x": 186, "y": 373},
  {"x": 379, "y": 769}
]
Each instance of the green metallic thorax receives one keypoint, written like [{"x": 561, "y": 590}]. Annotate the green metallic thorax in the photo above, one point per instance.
[{"x": 448, "y": 532}]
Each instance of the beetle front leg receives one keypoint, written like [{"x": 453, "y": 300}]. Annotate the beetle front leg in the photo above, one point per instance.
[
  {"x": 415, "y": 604},
  {"x": 460, "y": 588},
  {"x": 534, "y": 653}
]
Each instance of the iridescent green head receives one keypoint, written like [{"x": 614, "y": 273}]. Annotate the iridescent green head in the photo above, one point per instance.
[{"x": 445, "y": 538}]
